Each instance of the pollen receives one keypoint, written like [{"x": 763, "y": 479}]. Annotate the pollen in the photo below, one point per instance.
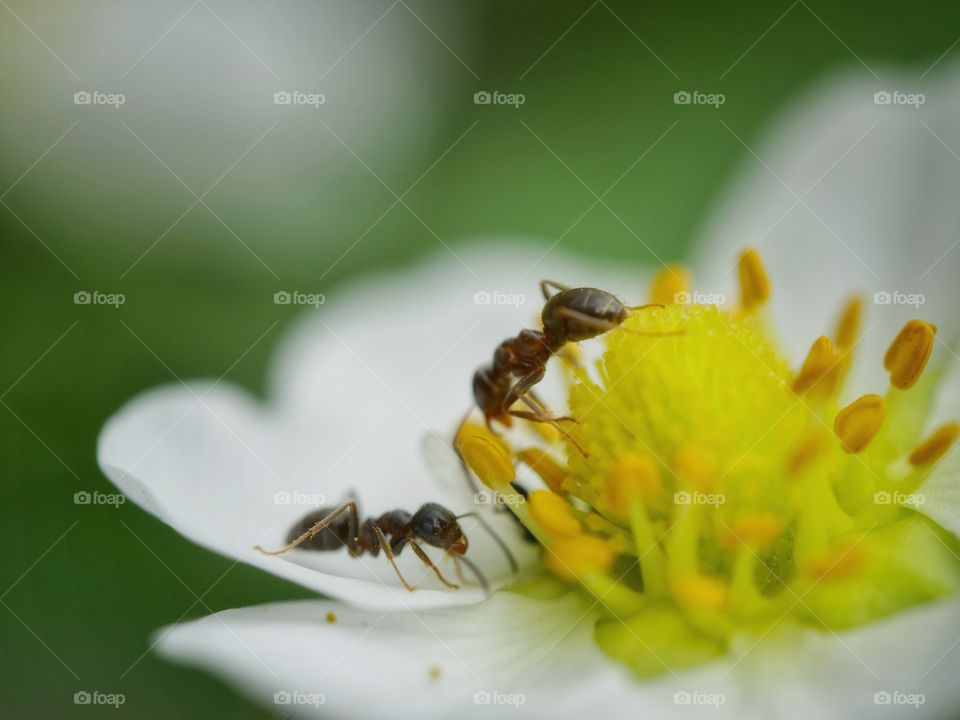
[{"x": 702, "y": 490}]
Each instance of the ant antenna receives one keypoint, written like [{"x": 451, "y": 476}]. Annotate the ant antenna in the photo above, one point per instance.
[{"x": 503, "y": 546}]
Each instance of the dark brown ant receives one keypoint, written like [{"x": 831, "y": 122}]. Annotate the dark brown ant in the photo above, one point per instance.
[
  {"x": 333, "y": 528},
  {"x": 519, "y": 363}
]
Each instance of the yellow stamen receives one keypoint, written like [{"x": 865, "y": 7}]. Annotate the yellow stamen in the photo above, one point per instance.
[
  {"x": 934, "y": 447},
  {"x": 696, "y": 591},
  {"x": 842, "y": 561},
  {"x": 552, "y": 513},
  {"x": 549, "y": 470},
  {"x": 486, "y": 455},
  {"x": 669, "y": 285},
  {"x": 821, "y": 360},
  {"x": 695, "y": 467},
  {"x": 572, "y": 558},
  {"x": 755, "y": 531},
  {"x": 634, "y": 477},
  {"x": 908, "y": 354},
  {"x": 851, "y": 319},
  {"x": 754, "y": 283},
  {"x": 858, "y": 423},
  {"x": 807, "y": 450}
]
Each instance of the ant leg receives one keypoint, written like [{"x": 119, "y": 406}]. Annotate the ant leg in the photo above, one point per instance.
[
  {"x": 425, "y": 559},
  {"x": 381, "y": 538},
  {"x": 644, "y": 307},
  {"x": 319, "y": 526},
  {"x": 535, "y": 398},
  {"x": 537, "y": 417},
  {"x": 456, "y": 564},
  {"x": 607, "y": 325},
  {"x": 544, "y": 284},
  {"x": 500, "y": 543}
]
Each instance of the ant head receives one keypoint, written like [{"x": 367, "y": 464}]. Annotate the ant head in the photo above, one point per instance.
[{"x": 437, "y": 526}]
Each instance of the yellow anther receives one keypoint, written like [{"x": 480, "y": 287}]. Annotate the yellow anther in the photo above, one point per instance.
[
  {"x": 486, "y": 454},
  {"x": 820, "y": 362},
  {"x": 848, "y": 327},
  {"x": 934, "y": 447},
  {"x": 859, "y": 421},
  {"x": 549, "y": 470},
  {"x": 806, "y": 451},
  {"x": 754, "y": 531},
  {"x": 633, "y": 477},
  {"x": 909, "y": 352},
  {"x": 695, "y": 467},
  {"x": 694, "y": 591},
  {"x": 754, "y": 283},
  {"x": 572, "y": 558},
  {"x": 552, "y": 513},
  {"x": 670, "y": 286},
  {"x": 842, "y": 561}
]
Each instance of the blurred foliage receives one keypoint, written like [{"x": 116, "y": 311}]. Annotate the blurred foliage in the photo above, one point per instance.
[{"x": 597, "y": 99}]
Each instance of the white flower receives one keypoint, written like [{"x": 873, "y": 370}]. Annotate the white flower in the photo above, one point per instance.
[{"x": 847, "y": 196}]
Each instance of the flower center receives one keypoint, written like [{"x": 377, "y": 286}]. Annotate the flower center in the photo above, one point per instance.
[{"x": 710, "y": 490}]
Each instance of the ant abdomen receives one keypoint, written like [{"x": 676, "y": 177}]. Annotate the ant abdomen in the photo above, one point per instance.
[
  {"x": 581, "y": 314},
  {"x": 332, "y": 537}
]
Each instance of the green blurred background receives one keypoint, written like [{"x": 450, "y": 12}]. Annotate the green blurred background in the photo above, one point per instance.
[{"x": 103, "y": 209}]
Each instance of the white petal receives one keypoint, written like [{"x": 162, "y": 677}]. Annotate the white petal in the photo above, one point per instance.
[
  {"x": 880, "y": 215},
  {"x": 361, "y": 381},
  {"x": 368, "y": 665},
  {"x": 940, "y": 492}
]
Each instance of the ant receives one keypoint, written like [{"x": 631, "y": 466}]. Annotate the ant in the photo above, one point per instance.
[
  {"x": 519, "y": 363},
  {"x": 332, "y": 528}
]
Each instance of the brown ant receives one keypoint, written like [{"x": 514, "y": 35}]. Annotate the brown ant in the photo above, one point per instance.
[
  {"x": 519, "y": 363},
  {"x": 332, "y": 528}
]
